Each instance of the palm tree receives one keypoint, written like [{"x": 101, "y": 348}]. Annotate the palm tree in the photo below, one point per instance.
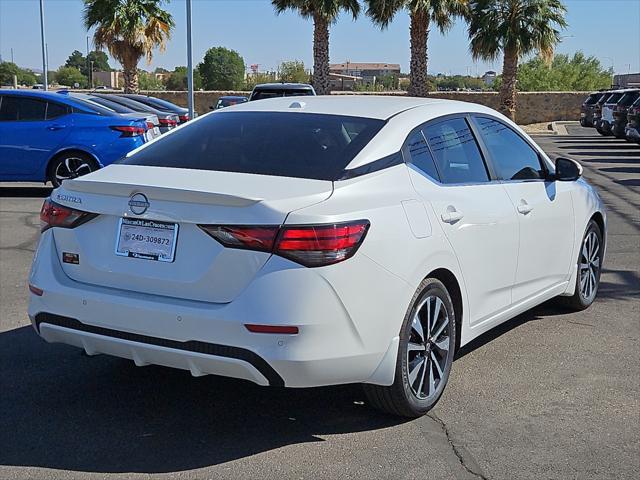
[
  {"x": 129, "y": 29},
  {"x": 517, "y": 28},
  {"x": 323, "y": 13},
  {"x": 422, "y": 14}
]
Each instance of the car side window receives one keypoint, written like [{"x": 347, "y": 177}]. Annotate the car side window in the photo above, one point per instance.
[
  {"x": 514, "y": 158},
  {"x": 420, "y": 156},
  {"x": 456, "y": 152},
  {"x": 9, "y": 109},
  {"x": 31, "y": 109},
  {"x": 55, "y": 110}
]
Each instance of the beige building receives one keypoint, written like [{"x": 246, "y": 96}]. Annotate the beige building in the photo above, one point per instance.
[
  {"x": 108, "y": 79},
  {"x": 367, "y": 71}
]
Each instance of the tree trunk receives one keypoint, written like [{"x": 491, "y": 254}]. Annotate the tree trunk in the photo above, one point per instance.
[
  {"x": 508, "y": 88},
  {"x": 321, "y": 82},
  {"x": 130, "y": 77},
  {"x": 419, "y": 33}
]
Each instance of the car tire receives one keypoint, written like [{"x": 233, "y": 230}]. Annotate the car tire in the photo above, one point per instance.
[
  {"x": 423, "y": 365},
  {"x": 69, "y": 165},
  {"x": 589, "y": 268}
]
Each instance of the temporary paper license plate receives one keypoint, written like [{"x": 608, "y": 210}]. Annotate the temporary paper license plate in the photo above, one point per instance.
[{"x": 147, "y": 239}]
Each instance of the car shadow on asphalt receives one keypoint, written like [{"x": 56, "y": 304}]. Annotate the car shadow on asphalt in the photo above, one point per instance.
[
  {"x": 25, "y": 192},
  {"x": 61, "y": 409},
  {"x": 614, "y": 285}
]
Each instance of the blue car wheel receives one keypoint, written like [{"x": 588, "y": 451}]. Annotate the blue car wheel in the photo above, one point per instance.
[{"x": 70, "y": 165}]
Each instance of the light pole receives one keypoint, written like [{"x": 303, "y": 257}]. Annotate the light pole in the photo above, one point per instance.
[
  {"x": 44, "y": 48},
  {"x": 189, "y": 63}
]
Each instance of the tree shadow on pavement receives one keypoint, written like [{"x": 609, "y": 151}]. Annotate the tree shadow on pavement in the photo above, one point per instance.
[{"x": 61, "y": 409}]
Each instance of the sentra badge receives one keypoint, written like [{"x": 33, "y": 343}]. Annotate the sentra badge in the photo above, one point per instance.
[{"x": 68, "y": 198}]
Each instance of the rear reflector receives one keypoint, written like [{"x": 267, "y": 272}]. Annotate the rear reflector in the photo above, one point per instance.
[
  {"x": 55, "y": 215},
  {"x": 282, "y": 329},
  {"x": 35, "y": 290},
  {"x": 308, "y": 245},
  {"x": 129, "y": 130}
]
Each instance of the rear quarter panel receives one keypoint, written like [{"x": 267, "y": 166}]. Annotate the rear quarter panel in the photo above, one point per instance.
[{"x": 377, "y": 298}]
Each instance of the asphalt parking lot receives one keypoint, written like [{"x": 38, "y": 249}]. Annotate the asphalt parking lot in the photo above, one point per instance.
[{"x": 550, "y": 394}]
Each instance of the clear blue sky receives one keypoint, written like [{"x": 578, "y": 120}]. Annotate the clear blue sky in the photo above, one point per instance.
[{"x": 608, "y": 29}]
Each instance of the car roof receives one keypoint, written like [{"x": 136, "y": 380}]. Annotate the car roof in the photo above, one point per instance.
[
  {"x": 283, "y": 86},
  {"x": 60, "y": 96},
  {"x": 368, "y": 106},
  {"x": 231, "y": 97}
]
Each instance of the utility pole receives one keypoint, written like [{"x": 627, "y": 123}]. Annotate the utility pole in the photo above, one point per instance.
[
  {"x": 44, "y": 48},
  {"x": 189, "y": 63},
  {"x": 87, "y": 62},
  {"x": 12, "y": 55}
]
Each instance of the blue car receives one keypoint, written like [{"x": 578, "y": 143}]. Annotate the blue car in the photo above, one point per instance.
[{"x": 51, "y": 137}]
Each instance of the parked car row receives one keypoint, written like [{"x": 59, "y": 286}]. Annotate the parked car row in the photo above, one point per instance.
[
  {"x": 613, "y": 112},
  {"x": 51, "y": 137}
]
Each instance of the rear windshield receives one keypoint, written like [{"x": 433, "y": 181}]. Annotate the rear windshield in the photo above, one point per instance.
[
  {"x": 271, "y": 93},
  {"x": 158, "y": 103},
  {"x": 116, "y": 107},
  {"x": 304, "y": 145},
  {"x": 628, "y": 98},
  {"x": 614, "y": 98},
  {"x": 593, "y": 98}
]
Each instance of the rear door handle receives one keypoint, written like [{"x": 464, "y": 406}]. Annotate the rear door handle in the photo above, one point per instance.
[
  {"x": 524, "y": 207},
  {"x": 451, "y": 215},
  {"x": 56, "y": 126}
]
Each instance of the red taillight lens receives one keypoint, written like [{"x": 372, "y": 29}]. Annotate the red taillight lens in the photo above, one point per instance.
[
  {"x": 167, "y": 122},
  {"x": 184, "y": 118},
  {"x": 309, "y": 245},
  {"x": 129, "y": 131},
  {"x": 318, "y": 245},
  {"x": 150, "y": 126},
  {"x": 55, "y": 215}
]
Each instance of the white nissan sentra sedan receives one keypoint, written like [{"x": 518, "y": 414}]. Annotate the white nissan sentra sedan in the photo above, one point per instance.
[{"x": 312, "y": 241}]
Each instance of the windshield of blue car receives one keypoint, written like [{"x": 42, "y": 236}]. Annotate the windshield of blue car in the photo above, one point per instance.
[{"x": 303, "y": 145}]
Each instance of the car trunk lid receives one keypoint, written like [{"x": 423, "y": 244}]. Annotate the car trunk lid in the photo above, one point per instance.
[{"x": 181, "y": 199}]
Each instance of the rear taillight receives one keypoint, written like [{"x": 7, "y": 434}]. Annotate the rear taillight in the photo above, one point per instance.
[
  {"x": 167, "y": 122},
  {"x": 150, "y": 126},
  {"x": 308, "y": 245},
  {"x": 55, "y": 215},
  {"x": 184, "y": 118},
  {"x": 129, "y": 131},
  {"x": 246, "y": 237}
]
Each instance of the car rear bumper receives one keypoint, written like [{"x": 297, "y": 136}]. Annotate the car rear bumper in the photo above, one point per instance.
[{"x": 332, "y": 347}]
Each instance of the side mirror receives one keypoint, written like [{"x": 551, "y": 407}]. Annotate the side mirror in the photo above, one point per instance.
[{"x": 567, "y": 170}]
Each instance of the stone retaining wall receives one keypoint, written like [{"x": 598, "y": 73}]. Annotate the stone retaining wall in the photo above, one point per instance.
[{"x": 533, "y": 107}]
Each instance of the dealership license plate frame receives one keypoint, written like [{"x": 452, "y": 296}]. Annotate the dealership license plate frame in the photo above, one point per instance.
[{"x": 147, "y": 255}]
